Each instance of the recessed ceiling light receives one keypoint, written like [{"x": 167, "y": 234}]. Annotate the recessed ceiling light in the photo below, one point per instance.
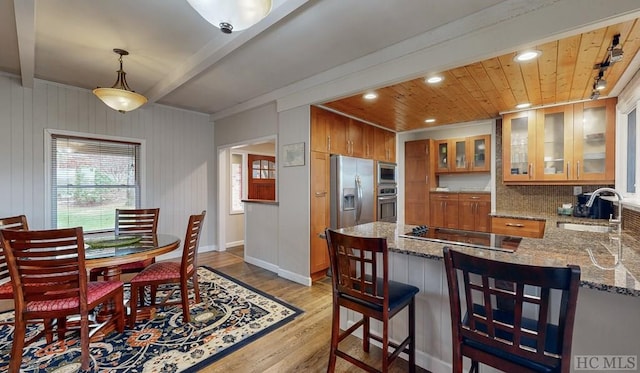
[
  {"x": 370, "y": 96},
  {"x": 527, "y": 55},
  {"x": 430, "y": 120},
  {"x": 523, "y": 105},
  {"x": 434, "y": 79}
]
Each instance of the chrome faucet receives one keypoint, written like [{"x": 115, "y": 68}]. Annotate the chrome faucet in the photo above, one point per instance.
[{"x": 612, "y": 221}]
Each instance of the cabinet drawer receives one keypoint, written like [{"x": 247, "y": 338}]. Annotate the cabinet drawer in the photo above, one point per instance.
[
  {"x": 478, "y": 197},
  {"x": 518, "y": 227}
]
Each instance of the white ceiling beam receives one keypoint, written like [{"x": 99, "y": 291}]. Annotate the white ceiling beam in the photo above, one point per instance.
[
  {"x": 212, "y": 53},
  {"x": 25, "y": 12}
]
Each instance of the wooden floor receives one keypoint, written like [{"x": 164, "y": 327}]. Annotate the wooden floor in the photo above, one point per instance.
[{"x": 301, "y": 345}]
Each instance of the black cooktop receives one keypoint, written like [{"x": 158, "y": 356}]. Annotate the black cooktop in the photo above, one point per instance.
[{"x": 467, "y": 238}]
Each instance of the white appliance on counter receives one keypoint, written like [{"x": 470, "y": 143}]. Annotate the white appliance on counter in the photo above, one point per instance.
[{"x": 352, "y": 191}]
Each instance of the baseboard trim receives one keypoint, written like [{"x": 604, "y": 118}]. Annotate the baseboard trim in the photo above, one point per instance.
[{"x": 261, "y": 263}]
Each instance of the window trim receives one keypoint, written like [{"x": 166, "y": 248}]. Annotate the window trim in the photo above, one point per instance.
[
  {"x": 243, "y": 171},
  {"x": 49, "y": 133}
]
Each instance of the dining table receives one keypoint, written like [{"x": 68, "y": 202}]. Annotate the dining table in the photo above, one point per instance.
[{"x": 110, "y": 251}]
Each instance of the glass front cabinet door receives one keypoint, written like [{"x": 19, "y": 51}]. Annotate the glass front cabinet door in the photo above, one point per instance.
[
  {"x": 442, "y": 163},
  {"x": 518, "y": 141},
  {"x": 479, "y": 153},
  {"x": 556, "y": 146},
  {"x": 594, "y": 140}
]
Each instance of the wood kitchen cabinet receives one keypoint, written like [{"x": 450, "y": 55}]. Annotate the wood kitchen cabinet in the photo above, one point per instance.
[
  {"x": 384, "y": 145},
  {"x": 444, "y": 210},
  {"x": 418, "y": 181},
  {"x": 511, "y": 226},
  {"x": 466, "y": 154},
  {"x": 473, "y": 212},
  {"x": 319, "y": 213},
  {"x": 564, "y": 144},
  {"x": 336, "y": 134}
]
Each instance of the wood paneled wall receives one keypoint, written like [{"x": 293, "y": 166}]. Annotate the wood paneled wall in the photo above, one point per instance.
[{"x": 179, "y": 153}]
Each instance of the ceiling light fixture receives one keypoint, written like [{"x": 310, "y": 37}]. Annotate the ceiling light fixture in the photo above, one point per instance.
[
  {"x": 370, "y": 96},
  {"x": 232, "y": 15},
  {"x": 523, "y": 105},
  {"x": 430, "y": 120},
  {"x": 527, "y": 55},
  {"x": 434, "y": 79},
  {"x": 614, "y": 54},
  {"x": 120, "y": 97}
]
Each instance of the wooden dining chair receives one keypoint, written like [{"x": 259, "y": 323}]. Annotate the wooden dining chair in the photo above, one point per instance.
[
  {"x": 509, "y": 320},
  {"x": 50, "y": 283},
  {"x": 133, "y": 221},
  {"x": 14, "y": 222},
  {"x": 361, "y": 284},
  {"x": 164, "y": 273}
]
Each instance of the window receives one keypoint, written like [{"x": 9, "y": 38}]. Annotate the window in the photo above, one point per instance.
[
  {"x": 631, "y": 152},
  {"x": 237, "y": 207},
  {"x": 90, "y": 178}
]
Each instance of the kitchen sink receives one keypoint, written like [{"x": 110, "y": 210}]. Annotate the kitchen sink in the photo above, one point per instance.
[{"x": 585, "y": 227}]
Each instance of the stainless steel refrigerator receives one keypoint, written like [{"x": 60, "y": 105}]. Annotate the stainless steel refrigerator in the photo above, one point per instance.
[{"x": 352, "y": 194}]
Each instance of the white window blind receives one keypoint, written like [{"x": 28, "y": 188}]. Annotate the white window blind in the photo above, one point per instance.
[{"x": 90, "y": 178}]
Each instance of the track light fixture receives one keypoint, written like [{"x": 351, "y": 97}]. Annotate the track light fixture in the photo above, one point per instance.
[{"x": 614, "y": 54}]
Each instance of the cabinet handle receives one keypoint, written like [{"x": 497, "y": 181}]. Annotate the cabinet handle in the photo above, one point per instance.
[
  {"x": 530, "y": 168},
  {"x": 426, "y": 179},
  {"x": 328, "y": 143},
  {"x": 578, "y": 170},
  {"x": 475, "y": 197},
  {"x": 568, "y": 170},
  {"x": 320, "y": 194},
  {"x": 514, "y": 225}
]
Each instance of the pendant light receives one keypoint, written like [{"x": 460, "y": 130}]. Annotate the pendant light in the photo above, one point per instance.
[
  {"x": 232, "y": 15},
  {"x": 120, "y": 97}
]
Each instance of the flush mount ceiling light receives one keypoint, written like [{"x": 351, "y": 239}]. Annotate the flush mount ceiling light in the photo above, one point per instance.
[
  {"x": 434, "y": 79},
  {"x": 370, "y": 96},
  {"x": 232, "y": 15},
  {"x": 120, "y": 97},
  {"x": 527, "y": 55},
  {"x": 523, "y": 105},
  {"x": 430, "y": 120}
]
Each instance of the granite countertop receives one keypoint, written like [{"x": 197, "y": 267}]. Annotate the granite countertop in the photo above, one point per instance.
[{"x": 613, "y": 264}]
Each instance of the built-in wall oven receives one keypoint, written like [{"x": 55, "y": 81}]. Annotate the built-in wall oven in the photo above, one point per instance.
[{"x": 388, "y": 202}]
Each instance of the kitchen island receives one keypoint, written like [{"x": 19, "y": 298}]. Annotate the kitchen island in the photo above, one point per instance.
[{"x": 608, "y": 315}]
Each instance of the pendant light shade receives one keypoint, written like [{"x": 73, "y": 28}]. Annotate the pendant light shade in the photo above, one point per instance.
[
  {"x": 232, "y": 15},
  {"x": 120, "y": 97}
]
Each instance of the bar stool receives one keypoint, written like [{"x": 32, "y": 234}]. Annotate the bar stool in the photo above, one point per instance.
[
  {"x": 508, "y": 322},
  {"x": 358, "y": 285}
]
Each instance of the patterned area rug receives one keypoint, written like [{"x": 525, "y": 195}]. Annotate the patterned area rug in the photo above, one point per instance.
[{"x": 230, "y": 315}]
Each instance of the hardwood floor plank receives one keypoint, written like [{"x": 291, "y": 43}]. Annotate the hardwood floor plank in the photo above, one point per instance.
[{"x": 303, "y": 344}]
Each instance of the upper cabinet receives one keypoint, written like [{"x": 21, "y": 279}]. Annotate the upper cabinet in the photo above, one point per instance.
[
  {"x": 336, "y": 134},
  {"x": 564, "y": 144},
  {"x": 384, "y": 145},
  {"x": 467, "y": 154}
]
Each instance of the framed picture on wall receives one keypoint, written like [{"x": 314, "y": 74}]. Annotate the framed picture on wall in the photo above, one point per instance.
[{"x": 293, "y": 155}]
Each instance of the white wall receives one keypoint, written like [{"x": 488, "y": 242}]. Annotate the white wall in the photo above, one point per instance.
[
  {"x": 179, "y": 155},
  {"x": 293, "y": 195},
  {"x": 276, "y": 236}
]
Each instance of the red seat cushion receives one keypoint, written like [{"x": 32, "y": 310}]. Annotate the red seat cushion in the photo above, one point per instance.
[
  {"x": 95, "y": 290},
  {"x": 6, "y": 290},
  {"x": 158, "y": 271}
]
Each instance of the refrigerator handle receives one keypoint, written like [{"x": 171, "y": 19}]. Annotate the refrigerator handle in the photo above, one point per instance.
[{"x": 358, "y": 199}]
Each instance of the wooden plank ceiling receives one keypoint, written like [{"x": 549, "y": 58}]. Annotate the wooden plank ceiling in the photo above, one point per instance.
[{"x": 563, "y": 73}]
